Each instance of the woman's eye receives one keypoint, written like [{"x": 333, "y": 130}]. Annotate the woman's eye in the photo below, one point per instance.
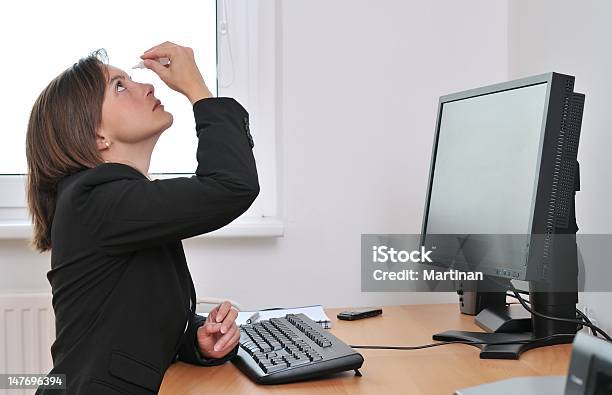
[{"x": 119, "y": 83}]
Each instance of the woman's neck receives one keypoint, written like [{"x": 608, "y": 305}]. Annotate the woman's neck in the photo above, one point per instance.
[{"x": 139, "y": 155}]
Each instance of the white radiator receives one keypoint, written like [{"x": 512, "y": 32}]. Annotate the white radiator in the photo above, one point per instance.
[{"x": 27, "y": 331}]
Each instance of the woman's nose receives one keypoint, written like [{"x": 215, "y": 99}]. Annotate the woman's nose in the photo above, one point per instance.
[{"x": 150, "y": 89}]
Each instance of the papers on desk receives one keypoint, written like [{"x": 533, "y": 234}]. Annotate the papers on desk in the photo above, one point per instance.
[{"x": 314, "y": 312}]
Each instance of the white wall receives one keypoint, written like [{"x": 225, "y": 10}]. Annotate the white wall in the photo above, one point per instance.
[
  {"x": 360, "y": 85},
  {"x": 573, "y": 37}
]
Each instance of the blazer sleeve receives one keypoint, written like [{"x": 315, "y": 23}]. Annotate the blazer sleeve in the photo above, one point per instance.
[
  {"x": 189, "y": 350},
  {"x": 125, "y": 214}
]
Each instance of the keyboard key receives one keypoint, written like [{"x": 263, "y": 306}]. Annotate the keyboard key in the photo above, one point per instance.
[
  {"x": 315, "y": 357},
  {"x": 274, "y": 368},
  {"x": 251, "y": 350},
  {"x": 299, "y": 362},
  {"x": 265, "y": 366}
]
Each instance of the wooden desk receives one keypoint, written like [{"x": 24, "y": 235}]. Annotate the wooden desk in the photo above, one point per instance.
[{"x": 437, "y": 370}]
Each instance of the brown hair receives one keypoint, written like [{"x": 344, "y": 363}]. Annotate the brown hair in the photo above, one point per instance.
[{"x": 61, "y": 137}]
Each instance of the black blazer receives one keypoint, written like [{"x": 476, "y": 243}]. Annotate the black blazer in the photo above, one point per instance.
[{"x": 123, "y": 296}]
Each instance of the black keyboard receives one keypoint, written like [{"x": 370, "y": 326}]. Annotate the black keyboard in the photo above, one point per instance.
[{"x": 292, "y": 348}]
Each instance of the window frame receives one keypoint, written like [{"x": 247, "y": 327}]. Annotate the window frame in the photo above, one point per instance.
[{"x": 252, "y": 28}]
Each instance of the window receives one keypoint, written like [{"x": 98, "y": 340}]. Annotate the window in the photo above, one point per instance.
[{"x": 234, "y": 45}]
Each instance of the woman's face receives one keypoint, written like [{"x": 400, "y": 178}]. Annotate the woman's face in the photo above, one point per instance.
[{"x": 127, "y": 112}]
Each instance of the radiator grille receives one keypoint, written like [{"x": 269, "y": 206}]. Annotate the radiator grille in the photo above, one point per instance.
[{"x": 27, "y": 331}]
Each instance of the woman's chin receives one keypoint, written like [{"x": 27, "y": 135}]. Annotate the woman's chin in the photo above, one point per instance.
[
  {"x": 166, "y": 115},
  {"x": 170, "y": 119}
]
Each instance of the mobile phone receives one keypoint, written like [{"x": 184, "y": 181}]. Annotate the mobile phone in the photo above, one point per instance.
[{"x": 358, "y": 314}]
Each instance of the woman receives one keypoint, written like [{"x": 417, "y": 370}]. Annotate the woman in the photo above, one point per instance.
[{"x": 123, "y": 296}]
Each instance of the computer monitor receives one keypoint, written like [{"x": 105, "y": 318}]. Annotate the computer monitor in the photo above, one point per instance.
[{"x": 501, "y": 190}]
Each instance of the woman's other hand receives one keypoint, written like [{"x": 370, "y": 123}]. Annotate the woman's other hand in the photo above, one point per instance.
[
  {"x": 219, "y": 334},
  {"x": 182, "y": 74}
]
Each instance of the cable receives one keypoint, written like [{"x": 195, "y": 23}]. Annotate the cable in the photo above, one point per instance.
[
  {"x": 584, "y": 322},
  {"x": 468, "y": 342},
  {"x": 587, "y": 320},
  {"x": 578, "y": 312},
  {"x": 548, "y": 317},
  {"x": 517, "y": 292}
]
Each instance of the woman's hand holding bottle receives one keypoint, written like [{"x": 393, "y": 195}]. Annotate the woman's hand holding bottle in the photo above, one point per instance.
[{"x": 182, "y": 74}]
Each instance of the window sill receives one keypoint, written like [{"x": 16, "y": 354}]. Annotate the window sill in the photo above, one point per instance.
[{"x": 242, "y": 227}]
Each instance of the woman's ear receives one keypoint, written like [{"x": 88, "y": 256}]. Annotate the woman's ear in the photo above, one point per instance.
[{"x": 102, "y": 142}]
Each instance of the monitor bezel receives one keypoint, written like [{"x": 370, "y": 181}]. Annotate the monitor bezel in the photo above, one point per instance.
[{"x": 556, "y": 90}]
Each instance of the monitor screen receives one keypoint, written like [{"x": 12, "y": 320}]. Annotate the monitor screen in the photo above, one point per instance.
[{"x": 485, "y": 175}]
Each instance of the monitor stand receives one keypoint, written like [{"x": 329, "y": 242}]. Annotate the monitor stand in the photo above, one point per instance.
[
  {"x": 511, "y": 323},
  {"x": 506, "y": 318},
  {"x": 507, "y": 324}
]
